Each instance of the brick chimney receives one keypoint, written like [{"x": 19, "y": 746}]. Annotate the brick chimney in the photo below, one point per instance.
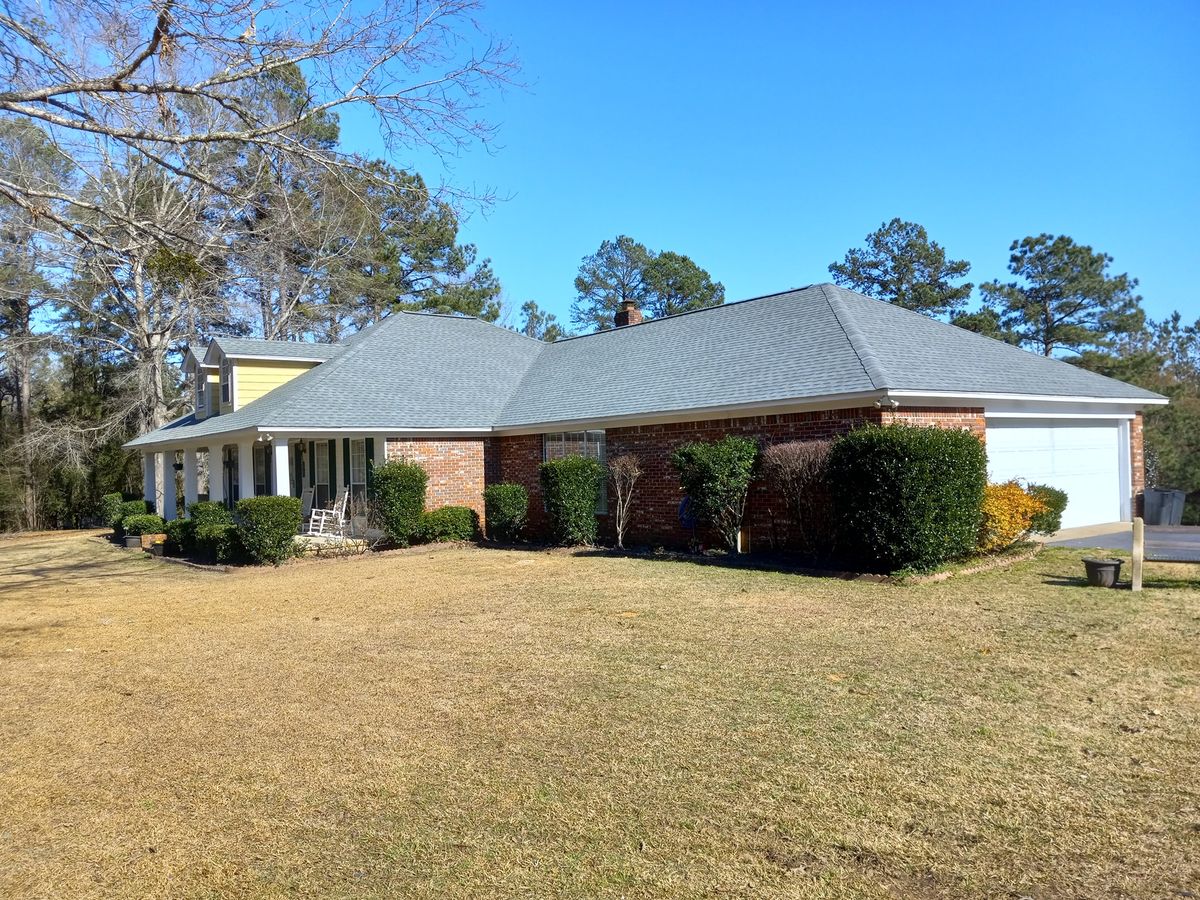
[{"x": 628, "y": 314}]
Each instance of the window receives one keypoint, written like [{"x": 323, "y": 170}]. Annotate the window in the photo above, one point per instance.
[
  {"x": 201, "y": 392},
  {"x": 578, "y": 443},
  {"x": 321, "y": 496},
  {"x": 358, "y": 469},
  {"x": 261, "y": 485},
  {"x": 226, "y": 381}
]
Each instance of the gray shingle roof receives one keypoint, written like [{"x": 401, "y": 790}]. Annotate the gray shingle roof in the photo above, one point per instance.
[
  {"x": 236, "y": 347},
  {"x": 422, "y": 371}
]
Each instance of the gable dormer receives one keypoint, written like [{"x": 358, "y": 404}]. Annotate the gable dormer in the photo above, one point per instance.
[
  {"x": 204, "y": 383},
  {"x": 247, "y": 369}
]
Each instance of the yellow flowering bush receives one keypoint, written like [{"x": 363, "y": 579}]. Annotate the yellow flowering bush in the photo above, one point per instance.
[{"x": 1008, "y": 513}]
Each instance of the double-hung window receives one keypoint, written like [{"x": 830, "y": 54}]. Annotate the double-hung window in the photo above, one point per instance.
[
  {"x": 321, "y": 496},
  {"x": 262, "y": 483},
  {"x": 201, "y": 393},
  {"x": 560, "y": 444},
  {"x": 226, "y": 381}
]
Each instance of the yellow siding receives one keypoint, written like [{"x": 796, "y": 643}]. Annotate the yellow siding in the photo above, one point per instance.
[{"x": 253, "y": 379}]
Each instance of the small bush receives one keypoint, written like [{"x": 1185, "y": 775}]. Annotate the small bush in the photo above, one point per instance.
[
  {"x": 110, "y": 509},
  {"x": 181, "y": 537},
  {"x": 572, "y": 489},
  {"x": 218, "y": 542},
  {"x": 798, "y": 472},
  {"x": 145, "y": 523},
  {"x": 267, "y": 527},
  {"x": 716, "y": 476},
  {"x": 209, "y": 512},
  {"x": 1049, "y": 520},
  {"x": 1008, "y": 514},
  {"x": 130, "y": 508},
  {"x": 399, "y": 487},
  {"x": 905, "y": 496},
  {"x": 449, "y": 523},
  {"x": 506, "y": 508}
]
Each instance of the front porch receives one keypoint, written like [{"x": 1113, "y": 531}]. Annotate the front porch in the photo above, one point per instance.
[{"x": 265, "y": 465}]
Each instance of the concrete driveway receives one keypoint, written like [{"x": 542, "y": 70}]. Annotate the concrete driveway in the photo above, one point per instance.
[{"x": 1174, "y": 543}]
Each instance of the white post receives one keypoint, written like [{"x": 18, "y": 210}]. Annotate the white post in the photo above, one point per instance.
[
  {"x": 168, "y": 500},
  {"x": 380, "y": 449},
  {"x": 191, "y": 484},
  {"x": 339, "y": 469},
  {"x": 283, "y": 472},
  {"x": 150, "y": 479},
  {"x": 216, "y": 475},
  {"x": 246, "y": 468}
]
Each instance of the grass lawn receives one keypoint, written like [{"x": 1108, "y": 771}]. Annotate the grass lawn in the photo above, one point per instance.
[{"x": 473, "y": 723}]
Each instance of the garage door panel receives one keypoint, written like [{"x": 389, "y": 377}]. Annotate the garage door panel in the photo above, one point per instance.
[{"x": 1081, "y": 458}]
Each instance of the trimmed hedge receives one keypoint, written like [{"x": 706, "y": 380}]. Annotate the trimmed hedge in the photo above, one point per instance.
[
  {"x": 218, "y": 542},
  {"x": 449, "y": 523},
  {"x": 110, "y": 509},
  {"x": 716, "y": 476},
  {"x": 906, "y": 497},
  {"x": 144, "y": 523},
  {"x": 209, "y": 512},
  {"x": 399, "y": 493},
  {"x": 572, "y": 489},
  {"x": 1048, "y": 520},
  {"x": 506, "y": 509},
  {"x": 181, "y": 537},
  {"x": 129, "y": 508},
  {"x": 267, "y": 528}
]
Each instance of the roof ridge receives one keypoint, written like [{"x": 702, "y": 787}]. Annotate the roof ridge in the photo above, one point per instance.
[{"x": 858, "y": 340}]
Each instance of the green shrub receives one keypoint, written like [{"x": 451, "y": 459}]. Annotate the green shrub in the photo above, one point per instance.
[
  {"x": 110, "y": 509},
  {"x": 449, "y": 523},
  {"x": 399, "y": 489},
  {"x": 906, "y": 497},
  {"x": 217, "y": 542},
  {"x": 145, "y": 523},
  {"x": 267, "y": 527},
  {"x": 1048, "y": 520},
  {"x": 129, "y": 508},
  {"x": 506, "y": 508},
  {"x": 572, "y": 489},
  {"x": 181, "y": 537},
  {"x": 209, "y": 512},
  {"x": 716, "y": 476}
]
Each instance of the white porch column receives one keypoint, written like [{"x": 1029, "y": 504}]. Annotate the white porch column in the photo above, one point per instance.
[
  {"x": 246, "y": 468},
  {"x": 150, "y": 478},
  {"x": 283, "y": 471},
  {"x": 168, "y": 497},
  {"x": 339, "y": 468},
  {"x": 380, "y": 449},
  {"x": 191, "y": 484},
  {"x": 216, "y": 475}
]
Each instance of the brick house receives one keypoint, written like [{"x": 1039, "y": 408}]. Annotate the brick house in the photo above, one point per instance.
[{"x": 477, "y": 404}]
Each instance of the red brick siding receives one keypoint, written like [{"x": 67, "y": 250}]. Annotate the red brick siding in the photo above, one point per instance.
[
  {"x": 655, "y": 515},
  {"x": 455, "y": 467},
  {"x": 969, "y": 418},
  {"x": 1137, "y": 463}
]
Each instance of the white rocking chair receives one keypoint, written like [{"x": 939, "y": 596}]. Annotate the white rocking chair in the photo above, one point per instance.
[{"x": 331, "y": 521}]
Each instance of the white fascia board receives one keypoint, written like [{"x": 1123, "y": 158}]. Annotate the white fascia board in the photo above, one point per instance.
[
  {"x": 299, "y": 359},
  {"x": 917, "y": 398},
  {"x": 370, "y": 430}
]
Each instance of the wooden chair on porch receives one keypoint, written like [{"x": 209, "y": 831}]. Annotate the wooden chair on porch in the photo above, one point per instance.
[
  {"x": 306, "y": 508},
  {"x": 331, "y": 521}
]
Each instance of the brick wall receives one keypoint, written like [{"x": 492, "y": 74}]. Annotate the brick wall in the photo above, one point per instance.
[
  {"x": 656, "y": 512},
  {"x": 456, "y": 468},
  {"x": 1137, "y": 464}
]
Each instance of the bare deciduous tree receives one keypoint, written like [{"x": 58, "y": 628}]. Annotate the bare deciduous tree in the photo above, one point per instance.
[
  {"x": 797, "y": 471},
  {"x": 624, "y": 472}
]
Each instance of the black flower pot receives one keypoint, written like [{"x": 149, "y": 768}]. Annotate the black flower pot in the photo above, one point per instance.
[{"x": 1102, "y": 572}]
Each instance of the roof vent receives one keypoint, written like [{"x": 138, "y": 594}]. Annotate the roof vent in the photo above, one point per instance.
[{"x": 627, "y": 314}]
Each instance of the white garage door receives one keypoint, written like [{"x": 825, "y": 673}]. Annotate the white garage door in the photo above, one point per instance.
[{"x": 1081, "y": 457}]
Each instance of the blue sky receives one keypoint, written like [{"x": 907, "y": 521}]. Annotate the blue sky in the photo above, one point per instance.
[{"x": 764, "y": 139}]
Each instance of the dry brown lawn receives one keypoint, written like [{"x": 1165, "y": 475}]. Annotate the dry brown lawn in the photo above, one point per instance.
[{"x": 482, "y": 723}]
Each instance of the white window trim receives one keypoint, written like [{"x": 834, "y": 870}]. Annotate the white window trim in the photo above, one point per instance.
[
  {"x": 601, "y": 457},
  {"x": 230, "y": 382}
]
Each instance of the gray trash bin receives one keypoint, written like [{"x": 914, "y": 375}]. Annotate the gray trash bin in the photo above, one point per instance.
[{"x": 1164, "y": 507}]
